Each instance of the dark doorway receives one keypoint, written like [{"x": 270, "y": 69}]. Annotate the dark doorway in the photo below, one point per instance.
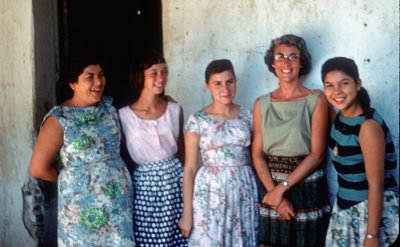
[{"x": 113, "y": 29}]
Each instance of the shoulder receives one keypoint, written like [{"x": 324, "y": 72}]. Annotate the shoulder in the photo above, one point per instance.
[
  {"x": 173, "y": 105},
  {"x": 245, "y": 111},
  {"x": 107, "y": 100},
  {"x": 123, "y": 112},
  {"x": 371, "y": 131}
]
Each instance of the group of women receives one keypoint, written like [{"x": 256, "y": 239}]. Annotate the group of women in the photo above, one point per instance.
[{"x": 260, "y": 181}]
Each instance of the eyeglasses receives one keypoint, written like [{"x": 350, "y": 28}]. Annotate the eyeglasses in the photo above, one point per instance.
[{"x": 281, "y": 57}]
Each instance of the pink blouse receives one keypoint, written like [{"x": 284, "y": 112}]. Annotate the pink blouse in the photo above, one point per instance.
[{"x": 151, "y": 140}]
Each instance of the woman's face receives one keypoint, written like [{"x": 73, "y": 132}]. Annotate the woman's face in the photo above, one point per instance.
[
  {"x": 88, "y": 89},
  {"x": 341, "y": 91},
  {"x": 155, "y": 78},
  {"x": 286, "y": 62},
  {"x": 222, "y": 87}
]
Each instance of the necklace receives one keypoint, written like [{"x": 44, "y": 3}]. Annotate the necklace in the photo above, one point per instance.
[
  {"x": 341, "y": 129},
  {"x": 335, "y": 150}
]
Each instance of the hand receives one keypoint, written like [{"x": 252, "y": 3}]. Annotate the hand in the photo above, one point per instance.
[
  {"x": 372, "y": 242},
  {"x": 185, "y": 224},
  {"x": 286, "y": 210},
  {"x": 274, "y": 197}
]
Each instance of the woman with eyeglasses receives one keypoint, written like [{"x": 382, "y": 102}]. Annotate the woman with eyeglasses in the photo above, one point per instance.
[{"x": 290, "y": 129}]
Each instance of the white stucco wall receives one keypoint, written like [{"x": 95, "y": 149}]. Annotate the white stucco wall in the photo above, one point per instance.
[
  {"x": 28, "y": 51},
  {"x": 16, "y": 97},
  {"x": 196, "y": 32}
]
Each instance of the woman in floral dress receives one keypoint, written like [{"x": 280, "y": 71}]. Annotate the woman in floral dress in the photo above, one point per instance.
[
  {"x": 220, "y": 197},
  {"x": 94, "y": 185}
]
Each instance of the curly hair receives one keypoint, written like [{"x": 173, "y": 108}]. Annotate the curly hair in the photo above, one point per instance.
[{"x": 291, "y": 40}]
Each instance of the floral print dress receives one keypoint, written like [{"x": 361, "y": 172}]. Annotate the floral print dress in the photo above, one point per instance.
[
  {"x": 225, "y": 208},
  {"x": 94, "y": 185}
]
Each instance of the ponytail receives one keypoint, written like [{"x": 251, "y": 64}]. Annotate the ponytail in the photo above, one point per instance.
[{"x": 365, "y": 102}]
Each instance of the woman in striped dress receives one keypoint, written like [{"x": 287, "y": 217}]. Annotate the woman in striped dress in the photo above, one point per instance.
[
  {"x": 153, "y": 136},
  {"x": 366, "y": 211}
]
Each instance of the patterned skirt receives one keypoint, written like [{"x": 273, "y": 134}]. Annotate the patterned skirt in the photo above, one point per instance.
[
  {"x": 310, "y": 201},
  {"x": 347, "y": 226},
  {"x": 158, "y": 203}
]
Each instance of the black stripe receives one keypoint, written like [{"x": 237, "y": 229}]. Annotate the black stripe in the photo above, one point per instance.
[
  {"x": 390, "y": 165},
  {"x": 356, "y": 168},
  {"x": 344, "y": 204},
  {"x": 363, "y": 185},
  {"x": 389, "y": 148},
  {"x": 346, "y": 129}
]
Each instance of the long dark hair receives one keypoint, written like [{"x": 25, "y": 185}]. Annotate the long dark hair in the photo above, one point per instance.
[
  {"x": 349, "y": 67},
  {"x": 141, "y": 62}
]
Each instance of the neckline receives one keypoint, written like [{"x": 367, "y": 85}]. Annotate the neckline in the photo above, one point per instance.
[
  {"x": 289, "y": 101},
  {"x": 155, "y": 119},
  {"x": 216, "y": 119}
]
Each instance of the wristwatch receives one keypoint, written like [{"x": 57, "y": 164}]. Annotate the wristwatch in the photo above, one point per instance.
[
  {"x": 285, "y": 184},
  {"x": 371, "y": 236}
]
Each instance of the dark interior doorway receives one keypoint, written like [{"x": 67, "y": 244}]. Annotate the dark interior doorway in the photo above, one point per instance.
[{"x": 113, "y": 29}]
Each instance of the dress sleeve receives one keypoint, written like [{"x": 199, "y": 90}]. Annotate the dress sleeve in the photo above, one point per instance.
[{"x": 192, "y": 124}]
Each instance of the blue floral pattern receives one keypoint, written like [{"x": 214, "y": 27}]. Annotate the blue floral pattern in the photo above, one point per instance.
[
  {"x": 225, "y": 203},
  {"x": 94, "y": 186},
  {"x": 347, "y": 227}
]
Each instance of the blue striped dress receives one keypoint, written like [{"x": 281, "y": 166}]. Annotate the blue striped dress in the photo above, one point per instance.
[{"x": 350, "y": 213}]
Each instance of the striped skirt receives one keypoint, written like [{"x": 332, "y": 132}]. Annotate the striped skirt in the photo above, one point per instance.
[
  {"x": 158, "y": 203},
  {"x": 310, "y": 201}
]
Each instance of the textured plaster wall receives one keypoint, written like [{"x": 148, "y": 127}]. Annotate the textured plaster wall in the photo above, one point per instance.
[
  {"x": 196, "y": 32},
  {"x": 16, "y": 97},
  {"x": 27, "y": 76}
]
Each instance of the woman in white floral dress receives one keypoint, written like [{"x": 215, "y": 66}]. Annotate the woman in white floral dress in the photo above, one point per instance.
[{"x": 220, "y": 197}]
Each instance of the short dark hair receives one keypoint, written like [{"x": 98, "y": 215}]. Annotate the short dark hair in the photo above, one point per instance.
[
  {"x": 70, "y": 72},
  {"x": 218, "y": 66},
  {"x": 291, "y": 40}
]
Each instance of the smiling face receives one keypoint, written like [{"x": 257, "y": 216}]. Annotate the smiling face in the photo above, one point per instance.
[
  {"x": 341, "y": 91},
  {"x": 286, "y": 62},
  {"x": 155, "y": 78},
  {"x": 222, "y": 87},
  {"x": 89, "y": 87}
]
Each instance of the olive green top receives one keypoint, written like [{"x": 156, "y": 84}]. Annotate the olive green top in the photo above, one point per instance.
[{"x": 286, "y": 125}]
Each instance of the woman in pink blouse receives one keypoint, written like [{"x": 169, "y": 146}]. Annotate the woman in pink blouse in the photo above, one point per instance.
[{"x": 153, "y": 130}]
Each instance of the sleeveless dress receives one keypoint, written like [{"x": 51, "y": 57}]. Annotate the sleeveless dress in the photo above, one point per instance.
[
  {"x": 157, "y": 176},
  {"x": 94, "y": 185},
  {"x": 349, "y": 218},
  {"x": 225, "y": 205},
  {"x": 286, "y": 130}
]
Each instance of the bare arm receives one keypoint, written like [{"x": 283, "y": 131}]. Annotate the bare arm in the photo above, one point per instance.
[
  {"x": 319, "y": 129},
  {"x": 190, "y": 170},
  {"x": 47, "y": 147},
  {"x": 257, "y": 150},
  {"x": 181, "y": 142},
  {"x": 373, "y": 149}
]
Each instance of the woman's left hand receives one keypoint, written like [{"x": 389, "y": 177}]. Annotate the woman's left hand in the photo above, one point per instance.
[{"x": 274, "y": 197}]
